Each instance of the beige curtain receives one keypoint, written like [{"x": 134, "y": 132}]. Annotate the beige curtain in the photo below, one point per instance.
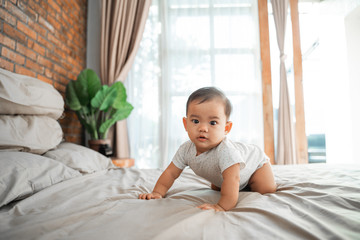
[
  {"x": 122, "y": 26},
  {"x": 286, "y": 140}
]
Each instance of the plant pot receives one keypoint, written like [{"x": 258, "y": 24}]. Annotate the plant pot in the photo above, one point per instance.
[{"x": 95, "y": 144}]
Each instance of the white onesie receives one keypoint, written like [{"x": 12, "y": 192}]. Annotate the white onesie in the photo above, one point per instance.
[{"x": 212, "y": 163}]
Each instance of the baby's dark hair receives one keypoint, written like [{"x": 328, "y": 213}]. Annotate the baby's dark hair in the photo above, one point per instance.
[{"x": 209, "y": 93}]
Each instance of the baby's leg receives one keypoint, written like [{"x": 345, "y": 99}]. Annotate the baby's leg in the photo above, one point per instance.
[{"x": 262, "y": 180}]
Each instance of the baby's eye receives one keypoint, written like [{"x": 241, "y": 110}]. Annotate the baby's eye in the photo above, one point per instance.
[
  {"x": 213, "y": 122},
  {"x": 195, "y": 121}
]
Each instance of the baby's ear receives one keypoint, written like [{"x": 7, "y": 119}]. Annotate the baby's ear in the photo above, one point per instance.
[
  {"x": 228, "y": 127},
  {"x": 184, "y": 122}
]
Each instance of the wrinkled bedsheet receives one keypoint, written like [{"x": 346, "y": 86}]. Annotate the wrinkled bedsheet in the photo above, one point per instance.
[{"x": 312, "y": 202}]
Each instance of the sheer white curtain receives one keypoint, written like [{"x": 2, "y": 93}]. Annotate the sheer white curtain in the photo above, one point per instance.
[{"x": 187, "y": 45}]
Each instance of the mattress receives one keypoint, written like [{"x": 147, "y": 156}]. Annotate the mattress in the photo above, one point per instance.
[{"x": 316, "y": 201}]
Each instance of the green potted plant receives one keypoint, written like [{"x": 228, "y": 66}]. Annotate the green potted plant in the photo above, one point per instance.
[{"x": 97, "y": 106}]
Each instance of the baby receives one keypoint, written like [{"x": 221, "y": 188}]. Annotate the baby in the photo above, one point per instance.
[{"x": 229, "y": 166}]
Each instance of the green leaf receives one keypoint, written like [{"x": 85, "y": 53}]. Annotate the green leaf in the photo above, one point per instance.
[
  {"x": 71, "y": 98},
  {"x": 121, "y": 94},
  {"x": 104, "y": 99},
  {"x": 120, "y": 114},
  {"x": 87, "y": 85}
]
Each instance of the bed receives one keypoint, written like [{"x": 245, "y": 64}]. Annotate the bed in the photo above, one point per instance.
[{"x": 60, "y": 190}]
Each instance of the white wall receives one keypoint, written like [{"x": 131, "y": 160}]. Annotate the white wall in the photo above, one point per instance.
[
  {"x": 352, "y": 29},
  {"x": 93, "y": 35},
  {"x": 93, "y": 40}
]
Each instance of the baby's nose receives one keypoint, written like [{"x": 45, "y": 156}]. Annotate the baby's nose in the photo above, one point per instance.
[{"x": 203, "y": 128}]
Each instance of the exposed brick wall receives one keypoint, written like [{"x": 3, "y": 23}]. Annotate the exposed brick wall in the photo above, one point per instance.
[{"x": 46, "y": 39}]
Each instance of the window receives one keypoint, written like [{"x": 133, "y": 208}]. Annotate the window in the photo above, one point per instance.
[
  {"x": 188, "y": 45},
  {"x": 329, "y": 32},
  {"x": 328, "y": 36}
]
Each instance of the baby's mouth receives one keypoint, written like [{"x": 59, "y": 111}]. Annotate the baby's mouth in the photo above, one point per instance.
[{"x": 202, "y": 138}]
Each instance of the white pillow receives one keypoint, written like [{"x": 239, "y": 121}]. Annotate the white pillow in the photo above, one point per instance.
[
  {"x": 21, "y": 94},
  {"x": 36, "y": 134},
  {"x": 23, "y": 174},
  {"x": 80, "y": 158}
]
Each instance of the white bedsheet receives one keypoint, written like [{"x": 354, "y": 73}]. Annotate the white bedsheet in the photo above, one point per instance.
[{"x": 312, "y": 202}]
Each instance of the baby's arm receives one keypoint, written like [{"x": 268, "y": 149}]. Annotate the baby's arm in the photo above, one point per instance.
[
  {"x": 164, "y": 183},
  {"x": 229, "y": 190}
]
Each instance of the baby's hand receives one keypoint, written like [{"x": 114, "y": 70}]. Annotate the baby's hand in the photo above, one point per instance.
[
  {"x": 207, "y": 206},
  {"x": 148, "y": 196}
]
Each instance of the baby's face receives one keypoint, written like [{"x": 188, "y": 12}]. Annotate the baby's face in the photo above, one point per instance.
[{"x": 206, "y": 124}]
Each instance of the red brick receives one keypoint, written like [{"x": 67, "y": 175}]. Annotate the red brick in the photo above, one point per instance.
[
  {"x": 37, "y": 28},
  {"x": 75, "y": 6},
  {"x": 69, "y": 35},
  {"x": 73, "y": 139},
  {"x": 69, "y": 115},
  {"x": 13, "y": 33},
  {"x": 49, "y": 73},
  {"x": 34, "y": 66},
  {"x": 61, "y": 36},
  {"x": 54, "y": 40},
  {"x": 77, "y": 29},
  {"x": 60, "y": 70},
  {"x": 6, "y": 64},
  {"x": 60, "y": 53},
  {"x": 37, "y": 8},
  {"x": 54, "y": 5},
  {"x": 15, "y": 11},
  {"x": 72, "y": 76},
  {"x": 66, "y": 129},
  {"x": 36, "y": 47},
  {"x": 68, "y": 50},
  {"x": 45, "y": 62},
  {"x": 52, "y": 56},
  {"x": 50, "y": 40},
  {"x": 77, "y": 70},
  {"x": 59, "y": 87},
  {"x": 7, "y": 17},
  {"x": 45, "y": 43},
  {"x": 55, "y": 23},
  {"x": 25, "y": 51},
  {"x": 74, "y": 17},
  {"x": 24, "y": 71},
  {"x": 13, "y": 56},
  {"x": 27, "y": 10},
  {"x": 6, "y": 41},
  {"x": 66, "y": 5},
  {"x": 67, "y": 19},
  {"x": 25, "y": 29},
  {"x": 79, "y": 42},
  {"x": 47, "y": 8},
  {"x": 46, "y": 24},
  {"x": 45, "y": 79},
  {"x": 71, "y": 130},
  {"x": 56, "y": 76},
  {"x": 63, "y": 80},
  {"x": 66, "y": 65}
]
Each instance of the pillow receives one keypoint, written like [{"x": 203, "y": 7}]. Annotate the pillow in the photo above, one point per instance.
[
  {"x": 80, "y": 158},
  {"x": 23, "y": 174},
  {"x": 21, "y": 94},
  {"x": 36, "y": 134}
]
